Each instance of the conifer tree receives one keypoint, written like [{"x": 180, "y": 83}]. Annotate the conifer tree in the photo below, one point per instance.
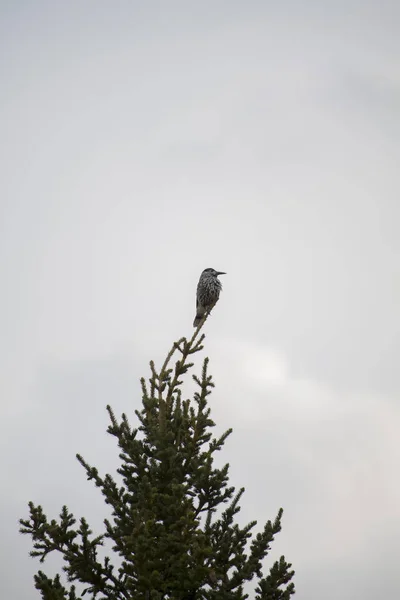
[{"x": 172, "y": 531}]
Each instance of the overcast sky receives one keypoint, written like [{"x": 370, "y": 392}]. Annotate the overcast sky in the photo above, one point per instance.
[{"x": 142, "y": 142}]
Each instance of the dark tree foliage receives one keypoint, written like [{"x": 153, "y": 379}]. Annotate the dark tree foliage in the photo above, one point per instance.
[{"x": 173, "y": 528}]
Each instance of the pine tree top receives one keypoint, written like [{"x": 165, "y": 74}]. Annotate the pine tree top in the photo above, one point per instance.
[{"x": 172, "y": 528}]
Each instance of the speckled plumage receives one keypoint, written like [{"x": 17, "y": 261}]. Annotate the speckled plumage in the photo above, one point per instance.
[{"x": 208, "y": 290}]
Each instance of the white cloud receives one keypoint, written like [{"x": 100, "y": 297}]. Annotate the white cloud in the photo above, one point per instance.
[{"x": 341, "y": 445}]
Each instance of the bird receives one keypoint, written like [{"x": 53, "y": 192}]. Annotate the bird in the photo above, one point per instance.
[{"x": 208, "y": 290}]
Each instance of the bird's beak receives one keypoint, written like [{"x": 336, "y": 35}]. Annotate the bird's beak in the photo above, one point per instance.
[{"x": 221, "y": 273}]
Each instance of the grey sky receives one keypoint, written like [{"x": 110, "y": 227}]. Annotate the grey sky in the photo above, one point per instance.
[{"x": 143, "y": 142}]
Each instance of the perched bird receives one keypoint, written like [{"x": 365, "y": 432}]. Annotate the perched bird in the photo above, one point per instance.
[{"x": 208, "y": 290}]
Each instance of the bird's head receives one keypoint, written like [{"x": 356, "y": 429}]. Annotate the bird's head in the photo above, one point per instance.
[{"x": 213, "y": 272}]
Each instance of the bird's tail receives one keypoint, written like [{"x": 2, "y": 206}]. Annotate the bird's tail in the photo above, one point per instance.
[{"x": 197, "y": 320}]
